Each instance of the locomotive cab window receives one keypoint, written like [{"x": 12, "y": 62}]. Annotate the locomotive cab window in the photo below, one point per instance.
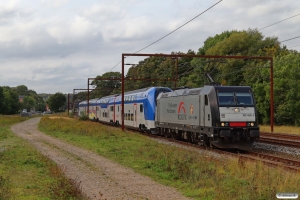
[
  {"x": 226, "y": 98},
  {"x": 244, "y": 98},
  {"x": 235, "y": 98}
]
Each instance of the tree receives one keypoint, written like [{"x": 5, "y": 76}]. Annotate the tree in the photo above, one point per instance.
[
  {"x": 1, "y": 100},
  {"x": 11, "y": 101},
  {"x": 107, "y": 87},
  {"x": 21, "y": 90},
  {"x": 28, "y": 103},
  {"x": 57, "y": 101},
  {"x": 234, "y": 71},
  {"x": 286, "y": 89}
]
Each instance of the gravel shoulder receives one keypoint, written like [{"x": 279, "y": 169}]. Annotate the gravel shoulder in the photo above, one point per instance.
[{"x": 98, "y": 177}]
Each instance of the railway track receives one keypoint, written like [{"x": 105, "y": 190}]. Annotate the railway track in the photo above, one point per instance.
[
  {"x": 266, "y": 158},
  {"x": 288, "y": 140}
]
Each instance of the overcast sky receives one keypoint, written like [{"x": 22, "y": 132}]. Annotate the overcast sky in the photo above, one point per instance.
[{"x": 56, "y": 45}]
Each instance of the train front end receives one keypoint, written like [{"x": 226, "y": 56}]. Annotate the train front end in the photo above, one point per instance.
[{"x": 236, "y": 123}]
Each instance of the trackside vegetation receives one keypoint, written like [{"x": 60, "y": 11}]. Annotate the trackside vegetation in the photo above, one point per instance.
[
  {"x": 25, "y": 173},
  {"x": 197, "y": 174},
  {"x": 281, "y": 129}
]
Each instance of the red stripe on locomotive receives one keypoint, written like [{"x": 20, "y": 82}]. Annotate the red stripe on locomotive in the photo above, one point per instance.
[{"x": 234, "y": 124}]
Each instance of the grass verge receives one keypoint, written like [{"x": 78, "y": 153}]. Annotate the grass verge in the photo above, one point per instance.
[
  {"x": 196, "y": 175},
  {"x": 25, "y": 173},
  {"x": 281, "y": 129}
]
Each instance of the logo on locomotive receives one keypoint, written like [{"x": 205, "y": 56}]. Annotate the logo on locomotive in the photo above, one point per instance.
[
  {"x": 181, "y": 111},
  {"x": 181, "y": 107}
]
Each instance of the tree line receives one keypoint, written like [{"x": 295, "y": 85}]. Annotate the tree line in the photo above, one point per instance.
[
  {"x": 191, "y": 72},
  {"x": 14, "y": 99}
]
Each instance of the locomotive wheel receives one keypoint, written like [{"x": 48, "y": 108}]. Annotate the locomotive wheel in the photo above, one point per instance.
[
  {"x": 211, "y": 143},
  {"x": 173, "y": 135},
  {"x": 206, "y": 142},
  {"x": 189, "y": 138}
]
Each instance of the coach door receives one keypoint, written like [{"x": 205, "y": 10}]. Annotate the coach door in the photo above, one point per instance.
[{"x": 135, "y": 115}]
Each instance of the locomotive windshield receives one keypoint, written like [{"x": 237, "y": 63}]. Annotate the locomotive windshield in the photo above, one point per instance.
[{"x": 235, "y": 98}]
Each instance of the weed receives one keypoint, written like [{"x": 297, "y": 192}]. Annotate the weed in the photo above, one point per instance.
[
  {"x": 64, "y": 188},
  {"x": 5, "y": 188},
  {"x": 83, "y": 117}
]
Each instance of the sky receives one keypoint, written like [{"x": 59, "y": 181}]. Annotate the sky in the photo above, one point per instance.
[{"x": 56, "y": 45}]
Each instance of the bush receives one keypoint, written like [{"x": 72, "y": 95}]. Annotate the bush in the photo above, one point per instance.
[{"x": 83, "y": 116}]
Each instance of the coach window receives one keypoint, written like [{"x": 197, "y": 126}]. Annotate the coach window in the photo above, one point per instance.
[
  {"x": 131, "y": 117},
  {"x": 206, "y": 100},
  {"x": 141, "y": 107},
  {"x": 111, "y": 108},
  {"x": 118, "y": 108}
]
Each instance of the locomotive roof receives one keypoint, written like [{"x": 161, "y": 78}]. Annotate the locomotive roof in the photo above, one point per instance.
[{"x": 204, "y": 90}]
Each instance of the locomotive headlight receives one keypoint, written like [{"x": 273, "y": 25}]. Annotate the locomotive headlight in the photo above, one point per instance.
[
  {"x": 224, "y": 124},
  {"x": 252, "y": 124}
]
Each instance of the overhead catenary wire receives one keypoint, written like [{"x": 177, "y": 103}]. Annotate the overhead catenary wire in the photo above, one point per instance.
[
  {"x": 172, "y": 31},
  {"x": 279, "y": 22},
  {"x": 200, "y": 15},
  {"x": 290, "y": 39},
  {"x": 178, "y": 27}
]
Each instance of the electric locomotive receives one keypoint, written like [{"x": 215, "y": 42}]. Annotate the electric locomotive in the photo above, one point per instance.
[{"x": 220, "y": 116}]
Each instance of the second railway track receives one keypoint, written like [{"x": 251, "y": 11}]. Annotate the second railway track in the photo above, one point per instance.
[
  {"x": 266, "y": 158},
  {"x": 288, "y": 140}
]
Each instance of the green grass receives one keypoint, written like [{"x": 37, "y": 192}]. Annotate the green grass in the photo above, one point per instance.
[
  {"x": 25, "y": 173},
  {"x": 281, "y": 129},
  {"x": 196, "y": 175}
]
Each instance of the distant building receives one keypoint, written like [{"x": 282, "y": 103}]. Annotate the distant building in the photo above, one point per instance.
[
  {"x": 21, "y": 98},
  {"x": 47, "y": 107}
]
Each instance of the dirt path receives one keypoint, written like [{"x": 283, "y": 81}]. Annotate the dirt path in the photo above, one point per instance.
[{"x": 99, "y": 177}]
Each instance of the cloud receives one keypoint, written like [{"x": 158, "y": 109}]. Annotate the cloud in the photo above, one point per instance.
[
  {"x": 55, "y": 3},
  {"x": 78, "y": 31},
  {"x": 53, "y": 45}
]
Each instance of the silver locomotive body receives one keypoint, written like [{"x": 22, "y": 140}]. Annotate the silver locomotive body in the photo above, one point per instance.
[{"x": 221, "y": 116}]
